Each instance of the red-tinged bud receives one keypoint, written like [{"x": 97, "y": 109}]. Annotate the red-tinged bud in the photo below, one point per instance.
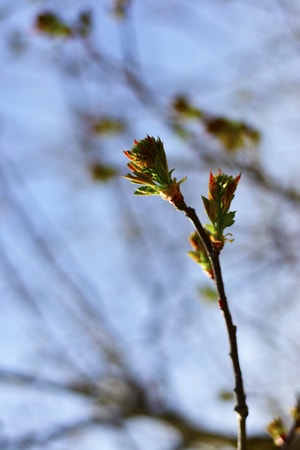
[
  {"x": 212, "y": 187},
  {"x": 221, "y": 189},
  {"x": 131, "y": 166},
  {"x": 127, "y": 153},
  {"x": 173, "y": 195},
  {"x": 199, "y": 254},
  {"x": 280, "y": 440},
  {"x": 229, "y": 192},
  {"x": 277, "y": 431},
  {"x": 237, "y": 179},
  {"x": 209, "y": 273},
  {"x": 194, "y": 241},
  {"x": 149, "y": 167},
  {"x": 217, "y": 244}
]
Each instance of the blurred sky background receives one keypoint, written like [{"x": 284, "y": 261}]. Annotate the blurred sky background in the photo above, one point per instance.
[{"x": 88, "y": 272}]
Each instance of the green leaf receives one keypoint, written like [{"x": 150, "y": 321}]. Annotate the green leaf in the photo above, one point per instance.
[
  {"x": 146, "y": 190},
  {"x": 210, "y": 228},
  {"x": 228, "y": 219}
]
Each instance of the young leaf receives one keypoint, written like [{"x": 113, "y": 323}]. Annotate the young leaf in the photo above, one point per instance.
[
  {"x": 221, "y": 190},
  {"x": 149, "y": 167}
]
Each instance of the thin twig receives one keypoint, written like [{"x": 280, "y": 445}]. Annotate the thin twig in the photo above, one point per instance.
[{"x": 241, "y": 407}]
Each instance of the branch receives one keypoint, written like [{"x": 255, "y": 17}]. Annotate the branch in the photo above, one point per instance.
[
  {"x": 149, "y": 169},
  {"x": 241, "y": 406}
]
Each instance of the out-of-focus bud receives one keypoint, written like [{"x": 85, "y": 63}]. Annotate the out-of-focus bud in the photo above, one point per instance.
[
  {"x": 277, "y": 431},
  {"x": 49, "y": 23}
]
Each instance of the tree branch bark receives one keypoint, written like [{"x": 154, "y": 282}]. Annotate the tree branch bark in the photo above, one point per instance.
[{"x": 241, "y": 407}]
